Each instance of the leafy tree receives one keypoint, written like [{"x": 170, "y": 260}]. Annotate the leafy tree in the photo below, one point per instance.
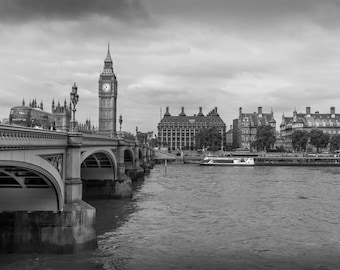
[
  {"x": 265, "y": 138},
  {"x": 300, "y": 140},
  {"x": 335, "y": 142},
  {"x": 209, "y": 138},
  {"x": 319, "y": 139}
]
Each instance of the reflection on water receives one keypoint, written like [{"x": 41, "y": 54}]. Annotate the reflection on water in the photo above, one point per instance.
[
  {"x": 192, "y": 217},
  {"x": 112, "y": 214}
]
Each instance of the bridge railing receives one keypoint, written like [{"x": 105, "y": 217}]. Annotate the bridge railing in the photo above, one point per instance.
[
  {"x": 102, "y": 140},
  {"x": 98, "y": 140},
  {"x": 14, "y": 137}
]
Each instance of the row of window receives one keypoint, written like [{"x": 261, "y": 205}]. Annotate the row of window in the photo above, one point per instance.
[
  {"x": 173, "y": 136},
  {"x": 177, "y": 134},
  {"x": 333, "y": 131},
  {"x": 316, "y": 124},
  {"x": 176, "y": 139},
  {"x": 247, "y": 131},
  {"x": 210, "y": 124},
  {"x": 191, "y": 126},
  {"x": 324, "y": 124},
  {"x": 183, "y": 131},
  {"x": 189, "y": 123}
]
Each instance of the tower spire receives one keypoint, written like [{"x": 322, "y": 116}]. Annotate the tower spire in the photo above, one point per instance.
[{"x": 108, "y": 56}]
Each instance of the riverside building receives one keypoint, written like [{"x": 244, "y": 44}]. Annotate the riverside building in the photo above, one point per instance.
[
  {"x": 327, "y": 122},
  {"x": 178, "y": 132},
  {"x": 245, "y": 127}
]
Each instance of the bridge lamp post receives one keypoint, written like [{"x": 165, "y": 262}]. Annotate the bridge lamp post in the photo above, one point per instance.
[
  {"x": 74, "y": 99},
  {"x": 120, "y": 125}
]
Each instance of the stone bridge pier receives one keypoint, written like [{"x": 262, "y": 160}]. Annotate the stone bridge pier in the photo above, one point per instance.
[{"x": 76, "y": 230}]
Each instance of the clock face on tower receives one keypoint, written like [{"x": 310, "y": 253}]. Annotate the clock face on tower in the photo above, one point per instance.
[{"x": 106, "y": 87}]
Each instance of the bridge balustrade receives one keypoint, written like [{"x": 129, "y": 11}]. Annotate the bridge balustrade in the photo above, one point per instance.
[{"x": 27, "y": 138}]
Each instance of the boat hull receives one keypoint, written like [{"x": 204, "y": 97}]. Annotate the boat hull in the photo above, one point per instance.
[{"x": 227, "y": 161}]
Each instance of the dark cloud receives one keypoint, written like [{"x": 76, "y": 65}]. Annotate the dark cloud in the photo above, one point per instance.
[
  {"x": 251, "y": 13},
  {"x": 27, "y": 10},
  {"x": 224, "y": 53}
]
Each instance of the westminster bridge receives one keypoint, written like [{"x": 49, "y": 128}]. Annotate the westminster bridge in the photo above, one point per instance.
[{"x": 44, "y": 177}]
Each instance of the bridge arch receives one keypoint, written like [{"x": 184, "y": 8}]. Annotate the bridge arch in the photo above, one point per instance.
[
  {"x": 141, "y": 156},
  {"x": 98, "y": 164},
  {"x": 30, "y": 187},
  {"x": 129, "y": 159},
  {"x": 98, "y": 172}
]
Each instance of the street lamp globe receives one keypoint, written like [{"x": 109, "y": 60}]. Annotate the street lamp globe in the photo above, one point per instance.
[{"x": 74, "y": 99}]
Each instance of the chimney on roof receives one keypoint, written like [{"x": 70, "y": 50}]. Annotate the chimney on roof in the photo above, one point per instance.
[
  {"x": 308, "y": 111},
  {"x": 332, "y": 112},
  {"x": 182, "y": 112},
  {"x": 200, "y": 112},
  {"x": 259, "y": 111},
  {"x": 240, "y": 110},
  {"x": 214, "y": 112},
  {"x": 167, "y": 112}
]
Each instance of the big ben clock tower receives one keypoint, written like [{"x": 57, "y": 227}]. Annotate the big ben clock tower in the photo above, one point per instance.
[{"x": 107, "y": 98}]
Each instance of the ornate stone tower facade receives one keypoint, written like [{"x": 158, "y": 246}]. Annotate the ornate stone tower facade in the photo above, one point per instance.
[
  {"x": 107, "y": 90},
  {"x": 62, "y": 116}
]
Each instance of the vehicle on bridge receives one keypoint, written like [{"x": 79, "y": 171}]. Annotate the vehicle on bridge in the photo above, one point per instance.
[{"x": 31, "y": 117}]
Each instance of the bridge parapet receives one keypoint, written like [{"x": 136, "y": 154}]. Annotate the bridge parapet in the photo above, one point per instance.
[
  {"x": 101, "y": 140},
  {"x": 12, "y": 138},
  {"x": 98, "y": 140}
]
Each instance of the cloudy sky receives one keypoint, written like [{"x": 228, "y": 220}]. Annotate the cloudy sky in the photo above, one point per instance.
[{"x": 278, "y": 54}]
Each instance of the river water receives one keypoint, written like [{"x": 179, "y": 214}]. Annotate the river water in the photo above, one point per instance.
[{"x": 191, "y": 217}]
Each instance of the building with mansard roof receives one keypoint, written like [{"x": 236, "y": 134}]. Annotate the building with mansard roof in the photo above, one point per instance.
[
  {"x": 327, "y": 122},
  {"x": 178, "y": 132},
  {"x": 245, "y": 127}
]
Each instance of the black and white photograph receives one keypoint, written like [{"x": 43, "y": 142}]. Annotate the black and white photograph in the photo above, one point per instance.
[{"x": 170, "y": 134}]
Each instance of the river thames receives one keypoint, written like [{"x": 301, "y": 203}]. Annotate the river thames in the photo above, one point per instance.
[{"x": 192, "y": 217}]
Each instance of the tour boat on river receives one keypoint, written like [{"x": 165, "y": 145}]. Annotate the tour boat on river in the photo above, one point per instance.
[{"x": 227, "y": 161}]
